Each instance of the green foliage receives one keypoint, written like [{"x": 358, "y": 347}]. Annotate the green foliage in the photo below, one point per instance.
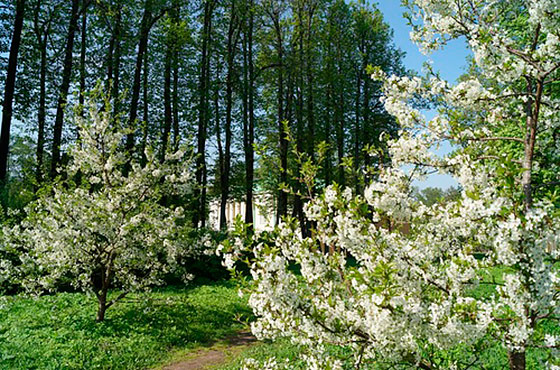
[{"x": 430, "y": 196}]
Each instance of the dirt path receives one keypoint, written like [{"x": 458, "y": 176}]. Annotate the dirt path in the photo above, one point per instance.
[{"x": 215, "y": 355}]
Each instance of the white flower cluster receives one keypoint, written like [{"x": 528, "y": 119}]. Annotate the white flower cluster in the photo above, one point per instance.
[
  {"x": 107, "y": 225},
  {"x": 392, "y": 281}
]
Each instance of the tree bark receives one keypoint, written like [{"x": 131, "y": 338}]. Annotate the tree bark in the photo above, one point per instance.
[
  {"x": 42, "y": 34},
  {"x": 516, "y": 360},
  {"x": 297, "y": 210},
  {"x": 7, "y": 108},
  {"x": 282, "y": 209},
  {"x": 366, "y": 116},
  {"x": 117, "y": 63},
  {"x": 167, "y": 121},
  {"x": 357, "y": 131},
  {"x": 340, "y": 116},
  {"x": 142, "y": 49},
  {"x": 65, "y": 85},
  {"x": 146, "y": 112},
  {"x": 199, "y": 216},
  {"x": 226, "y": 163},
  {"x": 101, "y": 305},
  {"x": 83, "y": 61},
  {"x": 176, "y": 129},
  {"x": 329, "y": 112},
  {"x": 249, "y": 130},
  {"x": 310, "y": 83}
]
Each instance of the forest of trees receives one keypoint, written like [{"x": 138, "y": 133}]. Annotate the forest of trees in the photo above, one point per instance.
[{"x": 255, "y": 86}]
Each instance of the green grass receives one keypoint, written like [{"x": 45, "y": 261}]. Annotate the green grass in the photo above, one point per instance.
[
  {"x": 147, "y": 330},
  {"x": 143, "y": 330},
  {"x": 281, "y": 350}
]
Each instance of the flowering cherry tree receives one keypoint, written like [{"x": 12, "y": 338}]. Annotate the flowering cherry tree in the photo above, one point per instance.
[
  {"x": 386, "y": 280},
  {"x": 107, "y": 225}
]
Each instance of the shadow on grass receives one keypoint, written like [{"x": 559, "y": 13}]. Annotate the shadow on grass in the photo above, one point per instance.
[{"x": 60, "y": 331}]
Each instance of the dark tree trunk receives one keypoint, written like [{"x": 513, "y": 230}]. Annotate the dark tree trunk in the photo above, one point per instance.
[
  {"x": 176, "y": 132},
  {"x": 340, "y": 118},
  {"x": 249, "y": 119},
  {"x": 101, "y": 305},
  {"x": 142, "y": 50},
  {"x": 146, "y": 112},
  {"x": 329, "y": 113},
  {"x": 298, "y": 202},
  {"x": 226, "y": 169},
  {"x": 167, "y": 120},
  {"x": 9, "y": 90},
  {"x": 310, "y": 94},
  {"x": 65, "y": 85},
  {"x": 366, "y": 120},
  {"x": 218, "y": 126},
  {"x": 283, "y": 141},
  {"x": 42, "y": 38},
  {"x": 117, "y": 62},
  {"x": 357, "y": 131},
  {"x": 199, "y": 217},
  {"x": 516, "y": 360},
  {"x": 83, "y": 49},
  {"x": 175, "y": 17}
]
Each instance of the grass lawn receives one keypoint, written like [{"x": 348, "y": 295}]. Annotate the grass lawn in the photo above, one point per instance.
[
  {"x": 147, "y": 330},
  {"x": 281, "y": 350},
  {"x": 143, "y": 330}
]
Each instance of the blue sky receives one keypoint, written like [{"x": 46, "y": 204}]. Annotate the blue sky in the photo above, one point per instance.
[{"x": 450, "y": 62}]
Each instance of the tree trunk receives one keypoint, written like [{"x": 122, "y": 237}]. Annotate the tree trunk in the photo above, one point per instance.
[
  {"x": 226, "y": 169},
  {"x": 83, "y": 62},
  {"x": 310, "y": 97},
  {"x": 340, "y": 118},
  {"x": 217, "y": 119},
  {"x": 176, "y": 132},
  {"x": 142, "y": 47},
  {"x": 366, "y": 115},
  {"x": 9, "y": 90},
  {"x": 167, "y": 121},
  {"x": 298, "y": 202},
  {"x": 117, "y": 63},
  {"x": 329, "y": 112},
  {"x": 41, "y": 112},
  {"x": 175, "y": 18},
  {"x": 199, "y": 216},
  {"x": 283, "y": 142},
  {"x": 146, "y": 112},
  {"x": 101, "y": 305},
  {"x": 249, "y": 131},
  {"x": 516, "y": 360},
  {"x": 357, "y": 130},
  {"x": 63, "y": 93}
]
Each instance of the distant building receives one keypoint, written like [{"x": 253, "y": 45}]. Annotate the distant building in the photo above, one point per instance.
[{"x": 264, "y": 215}]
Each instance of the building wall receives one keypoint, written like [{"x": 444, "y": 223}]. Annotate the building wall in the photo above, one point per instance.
[{"x": 264, "y": 217}]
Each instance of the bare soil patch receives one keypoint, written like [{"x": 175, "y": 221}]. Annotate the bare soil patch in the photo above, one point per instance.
[{"x": 215, "y": 355}]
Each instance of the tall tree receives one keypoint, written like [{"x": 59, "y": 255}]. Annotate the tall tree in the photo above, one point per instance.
[
  {"x": 275, "y": 11},
  {"x": 249, "y": 108},
  {"x": 167, "y": 105},
  {"x": 232, "y": 38},
  {"x": 147, "y": 22},
  {"x": 64, "y": 86},
  {"x": 42, "y": 31},
  {"x": 10, "y": 88},
  {"x": 199, "y": 216}
]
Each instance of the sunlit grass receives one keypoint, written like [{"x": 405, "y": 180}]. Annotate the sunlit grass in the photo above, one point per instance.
[{"x": 59, "y": 331}]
